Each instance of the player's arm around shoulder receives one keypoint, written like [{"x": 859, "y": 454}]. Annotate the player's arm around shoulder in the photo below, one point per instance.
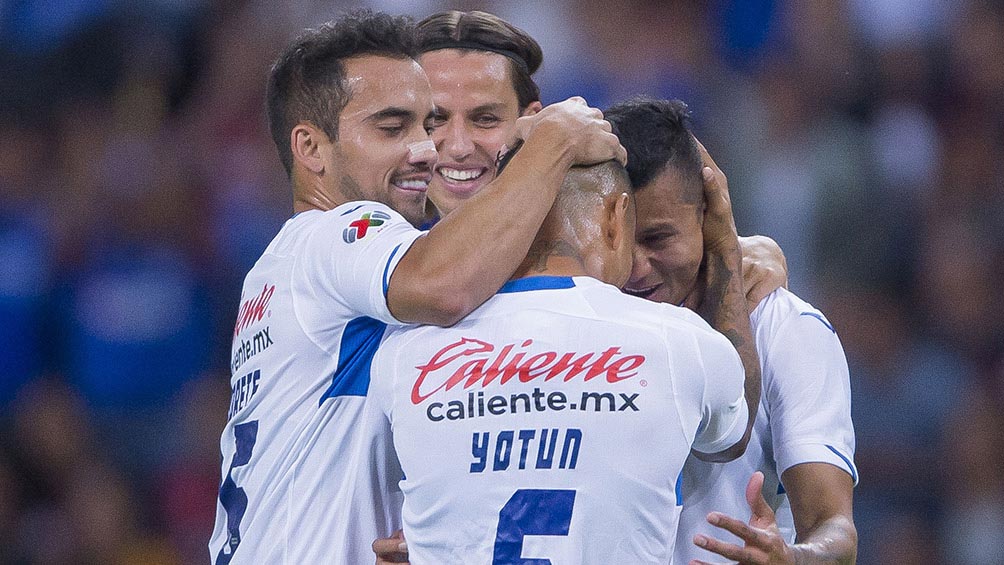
[{"x": 469, "y": 254}]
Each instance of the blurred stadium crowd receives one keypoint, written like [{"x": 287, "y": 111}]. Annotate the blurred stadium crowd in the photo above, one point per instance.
[{"x": 138, "y": 184}]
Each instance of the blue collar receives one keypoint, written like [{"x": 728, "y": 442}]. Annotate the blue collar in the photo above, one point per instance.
[{"x": 537, "y": 283}]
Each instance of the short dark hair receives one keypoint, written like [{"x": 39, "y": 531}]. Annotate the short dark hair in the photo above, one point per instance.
[
  {"x": 481, "y": 31},
  {"x": 656, "y": 134},
  {"x": 306, "y": 82}
]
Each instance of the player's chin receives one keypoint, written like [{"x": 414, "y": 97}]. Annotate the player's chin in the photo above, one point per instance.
[
  {"x": 411, "y": 205},
  {"x": 665, "y": 293},
  {"x": 445, "y": 200}
]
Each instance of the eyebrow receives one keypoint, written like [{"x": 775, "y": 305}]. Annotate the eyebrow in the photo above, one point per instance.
[
  {"x": 392, "y": 112},
  {"x": 491, "y": 107},
  {"x": 660, "y": 227}
]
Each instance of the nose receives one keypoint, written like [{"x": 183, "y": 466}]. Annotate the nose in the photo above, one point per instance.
[
  {"x": 641, "y": 266},
  {"x": 422, "y": 154},
  {"x": 456, "y": 141}
]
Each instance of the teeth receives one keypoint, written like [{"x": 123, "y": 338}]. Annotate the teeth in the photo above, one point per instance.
[
  {"x": 454, "y": 174},
  {"x": 640, "y": 291},
  {"x": 413, "y": 184}
]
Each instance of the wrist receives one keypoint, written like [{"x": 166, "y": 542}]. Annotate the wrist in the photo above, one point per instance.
[{"x": 728, "y": 254}]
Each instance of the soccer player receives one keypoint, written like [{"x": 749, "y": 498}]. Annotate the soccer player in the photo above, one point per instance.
[
  {"x": 349, "y": 110},
  {"x": 803, "y": 442},
  {"x": 481, "y": 71},
  {"x": 562, "y": 407}
]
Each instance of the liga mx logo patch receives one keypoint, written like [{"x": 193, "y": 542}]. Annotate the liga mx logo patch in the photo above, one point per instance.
[{"x": 359, "y": 228}]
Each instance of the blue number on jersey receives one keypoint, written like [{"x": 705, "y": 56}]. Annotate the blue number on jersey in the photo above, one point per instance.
[
  {"x": 233, "y": 498},
  {"x": 531, "y": 512}
]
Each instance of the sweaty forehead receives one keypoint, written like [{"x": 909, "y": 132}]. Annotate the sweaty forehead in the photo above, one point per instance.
[
  {"x": 375, "y": 82},
  {"x": 465, "y": 63},
  {"x": 459, "y": 72}
]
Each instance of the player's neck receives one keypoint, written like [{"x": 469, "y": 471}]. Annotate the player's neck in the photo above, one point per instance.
[
  {"x": 309, "y": 193},
  {"x": 551, "y": 265}
]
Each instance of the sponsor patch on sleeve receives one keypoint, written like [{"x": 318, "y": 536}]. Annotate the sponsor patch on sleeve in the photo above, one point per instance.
[{"x": 368, "y": 223}]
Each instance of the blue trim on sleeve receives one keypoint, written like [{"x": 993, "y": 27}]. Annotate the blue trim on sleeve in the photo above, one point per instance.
[
  {"x": 355, "y": 355},
  {"x": 780, "y": 488},
  {"x": 850, "y": 466},
  {"x": 820, "y": 318},
  {"x": 679, "y": 489},
  {"x": 386, "y": 270},
  {"x": 537, "y": 283},
  {"x": 349, "y": 211}
]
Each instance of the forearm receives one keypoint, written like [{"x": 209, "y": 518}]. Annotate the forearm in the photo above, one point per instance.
[
  {"x": 832, "y": 541},
  {"x": 724, "y": 307},
  {"x": 470, "y": 254},
  {"x": 724, "y": 302}
]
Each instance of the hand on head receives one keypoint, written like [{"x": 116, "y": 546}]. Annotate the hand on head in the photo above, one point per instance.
[
  {"x": 588, "y": 136},
  {"x": 720, "y": 234}
]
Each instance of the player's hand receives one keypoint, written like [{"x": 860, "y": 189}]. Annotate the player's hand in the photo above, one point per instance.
[
  {"x": 391, "y": 550},
  {"x": 580, "y": 127},
  {"x": 764, "y": 544},
  {"x": 764, "y": 268},
  {"x": 720, "y": 236}
]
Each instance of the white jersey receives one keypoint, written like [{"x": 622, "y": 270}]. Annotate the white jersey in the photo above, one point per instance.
[
  {"x": 553, "y": 423},
  {"x": 804, "y": 417},
  {"x": 304, "y": 450}
]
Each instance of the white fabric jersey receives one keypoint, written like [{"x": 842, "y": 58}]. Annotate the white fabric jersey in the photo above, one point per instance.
[
  {"x": 553, "y": 423},
  {"x": 303, "y": 448},
  {"x": 804, "y": 417}
]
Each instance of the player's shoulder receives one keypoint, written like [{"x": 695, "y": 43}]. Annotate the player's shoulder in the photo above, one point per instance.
[
  {"x": 783, "y": 305},
  {"x": 355, "y": 221},
  {"x": 613, "y": 304},
  {"x": 782, "y": 313},
  {"x": 350, "y": 226}
]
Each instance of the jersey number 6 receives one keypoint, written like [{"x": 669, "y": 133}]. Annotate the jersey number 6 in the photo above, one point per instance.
[{"x": 531, "y": 512}]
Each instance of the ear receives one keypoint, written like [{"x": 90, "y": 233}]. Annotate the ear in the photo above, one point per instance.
[
  {"x": 618, "y": 223},
  {"x": 305, "y": 141},
  {"x": 533, "y": 108}
]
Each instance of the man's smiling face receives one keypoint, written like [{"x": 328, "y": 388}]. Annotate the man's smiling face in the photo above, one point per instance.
[
  {"x": 390, "y": 108},
  {"x": 669, "y": 243},
  {"x": 476, "y": 111}
]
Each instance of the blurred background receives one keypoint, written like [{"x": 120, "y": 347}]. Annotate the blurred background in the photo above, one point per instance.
[{"x": 138, "y": 184}]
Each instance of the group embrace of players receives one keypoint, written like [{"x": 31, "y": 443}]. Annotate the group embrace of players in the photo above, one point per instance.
[{"x": 578, "y": 363}]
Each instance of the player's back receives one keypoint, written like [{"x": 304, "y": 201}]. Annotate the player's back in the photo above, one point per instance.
[
  {"x": 553, "y": 422},
  {"x": 303, "y": 448}
]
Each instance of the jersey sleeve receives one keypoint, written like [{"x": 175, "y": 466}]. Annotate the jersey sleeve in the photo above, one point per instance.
[
  {"x": 723, "y": 412},
  {"x": 353, "y": 255},
  {"x": 807, "y": 391}
]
